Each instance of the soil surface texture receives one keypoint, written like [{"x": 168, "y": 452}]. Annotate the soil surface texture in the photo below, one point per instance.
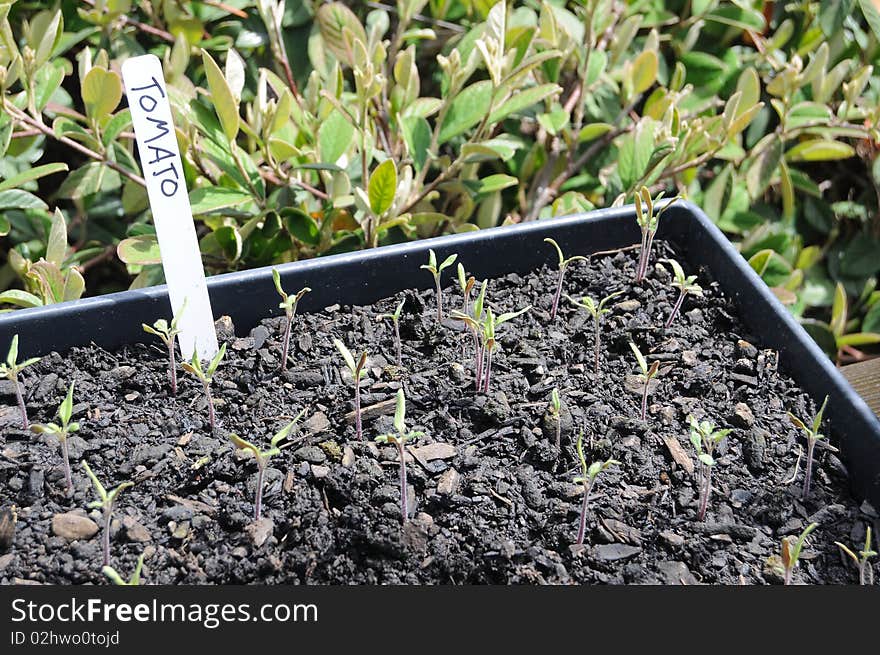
[{"x": 491, "y": 497}]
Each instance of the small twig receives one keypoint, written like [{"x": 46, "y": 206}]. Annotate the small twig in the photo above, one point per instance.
[{"x": 19, "y": 115}]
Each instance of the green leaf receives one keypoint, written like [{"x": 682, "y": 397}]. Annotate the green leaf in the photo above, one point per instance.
[
  {"x": 101, "y": 92},
  {"x": 742, "y": 18},
  {"x": 382, "y": 187},
  {"x": 222, "y": 97},
  {"x": 334, "y": 137},
  {"x": 301, "y": 226},
  {"x": 771, "y": 266},
  {"x": 808, "y": 112},
  {"x": 467, "y": 109},
  {"x": 763, "y": 167},
  {"x": 819, "y": 150},
  {"x": 139, "y": 250},
  {"x": 491, "y": 183},
  {"x": 20, "y": 199},
  {"x": 554, "y": 122},
  {"x": 417, "y": 135},
  {"x": 635, "y": 153},
  {"x": 114, "y": 127},
  {"x": 832, "y": 14},
  {"x": 400, "y": 413},
  {"x": 65, "y": 411},
  {"x": 872, "y": 16},
  {"x": 4, "y": 226},
  {"x": 644, "y": 71},
  {"x": 84, "y": 181},
  {"x": 339, "y": 28},
  {"x": 56, "y": 244},
  {"x": 750, "y": 86},
  {"x": 230, "y": 242},
  {"x": 31, "y": 174},
  {"x": 523, "y": 100},
  {"x": 20, "y": 298},
  {"x": 871, "y": 322},
  {"x": 212, "y": 198},
  {"x": 46, "y": 82},
  {"x": 594, "y": 131}
]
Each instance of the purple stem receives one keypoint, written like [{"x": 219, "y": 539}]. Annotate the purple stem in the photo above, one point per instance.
[
  {"x": 706, "y": 492},
  {"x": 108, "y": 517},
  {"x": 808, "y": 470},
  {"x": 647, "y": 255},
  {"x": 478, "y": 364},
  {"x": 642, "y": 256},
  {"x": 788, "y": 575},
  {"x": 582, "y": 529},
  {"x": 172, "y": 367},
  {"x": 439, "y": 300},
  {"x": 645, "y": 401},
  {"x": 211, "y": 416},
  {"x": 676, "y": 308},
  {"x": 404, "y": 506},
  {"x": 397, "y": 343},
  {"x": 258, "y": 503},
  {"x": 358, "y": 427},
  {"x": 21, "y": 406},
  {"x": 488, "y": 376},
  {"x": 66, "y": 457},
  {"x": 286, "y": 346},
  {"x": 558, "y": 294}
]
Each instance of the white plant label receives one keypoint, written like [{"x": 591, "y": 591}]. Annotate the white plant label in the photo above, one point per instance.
[{"x": 172, "y": 215}]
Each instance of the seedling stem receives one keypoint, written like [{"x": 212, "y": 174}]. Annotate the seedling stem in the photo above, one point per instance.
[
  {"x": 206, "y": 376},
  {"x": 10, "y": 370},
  {"x": 167, "y": 333},
  {"x": 813, "y": 435},
  {"x": 705, "y": 438},
  {"x": 262, "y": 457},
  {"x": 358, "y": 371},
  {"x": 105, "y": 502},
  {"x": 288, "y": 304},
  {"x": 436, "y": 271},
  {"x": 395, "y": 319},
  {"x": 563, "y": 265},
  {"x": 399, "y": 438},
  {"x": 646, "y": 375},
  {"x": 866, "y": 572},
  {"x": 62, "y": 432},
  {"x": 588, "y": 477}
]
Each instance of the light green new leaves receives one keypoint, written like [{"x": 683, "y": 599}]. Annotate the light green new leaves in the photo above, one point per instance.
[
  {"x": 101, "y": 92},
  {"x": 644, "y": 71},
  {"x": 382, "y": 187},
  {"x": 224, "y": 101}
]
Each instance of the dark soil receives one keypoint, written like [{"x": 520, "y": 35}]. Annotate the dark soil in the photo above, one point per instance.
[{"x": 494, "y": 504}]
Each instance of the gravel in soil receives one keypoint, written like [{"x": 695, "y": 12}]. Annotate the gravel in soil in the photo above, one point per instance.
[{"x": 491, "y": 497}]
